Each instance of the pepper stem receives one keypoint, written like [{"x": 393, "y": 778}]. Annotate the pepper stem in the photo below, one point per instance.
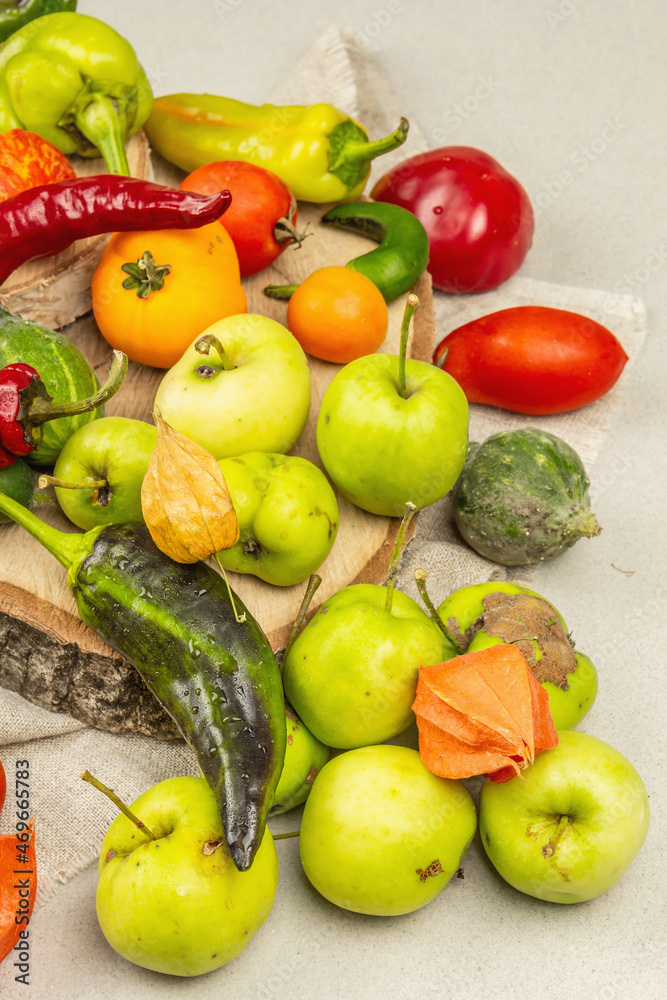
[
  {"x": 68, "y": 548},
  {"x": 420, "y": 579},
  {"x": 313, "y": 583},
  {"x": 40, "y": 410},
  {"x": 410, "y": 307},
  {"x": 396, "y": 555},
  {"x": 103, "y": 122},
  {"x": 280, "y": 291},
  {"x": 204, "y": 345},
  {"x": 363, "y": 152},
  {"x": 96, "y": 783}
]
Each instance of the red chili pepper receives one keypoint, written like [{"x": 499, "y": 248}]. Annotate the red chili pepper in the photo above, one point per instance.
[
  {"x": 25, "y": 405},
  {"x": 18, "y": 886},
  {"x": 47, "y": 218}
]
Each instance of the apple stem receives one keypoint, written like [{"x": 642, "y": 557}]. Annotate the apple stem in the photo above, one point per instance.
[
  {"x": 96, "y": 783},
  {"x": 549, "y": 849},
  {"x": 239, "y": 618},
  {"x": 204, "y": 345},
  {"x": 284, "y": 836},
  {"x": 87, "y": 484},
  {"x": 420, "y": 580},
  {"x": 410, "y": 307},
  {"x": 313, "y": 583},
  {"x": 396, "y": 554}
]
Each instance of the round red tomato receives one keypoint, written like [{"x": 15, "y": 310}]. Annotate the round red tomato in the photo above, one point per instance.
[
  {"x": 478, "y": 218},
  {"x": 532, "y": 359},
  {"x": 261, "y": 217},
  {"x": 27, "y": 160}
]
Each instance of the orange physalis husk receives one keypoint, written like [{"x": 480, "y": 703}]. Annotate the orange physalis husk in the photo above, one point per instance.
[
  {"x": 184, "y": 498},
  {"x": 482, "y": 713}
]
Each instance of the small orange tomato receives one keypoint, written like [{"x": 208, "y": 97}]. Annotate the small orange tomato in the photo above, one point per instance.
[
  {"x": 156, "y": 292},
  {"x": 338, "y": 314}
]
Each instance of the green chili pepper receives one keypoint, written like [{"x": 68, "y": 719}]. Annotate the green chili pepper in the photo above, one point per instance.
[
  {"x": 320, "y": 153},
  {"x": 401, "y": 257},
  {"x": 15, "y": 13},
  {"x": 200, "y": 652},
  {"x": 75, "y": 81}
]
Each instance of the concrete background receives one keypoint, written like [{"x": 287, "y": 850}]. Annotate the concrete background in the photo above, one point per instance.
[{"x": 574, "y": 105}]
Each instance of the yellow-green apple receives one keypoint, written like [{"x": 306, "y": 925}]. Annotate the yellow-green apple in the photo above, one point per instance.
[
  {"x": 392, "y": 431},
  {"x": 304, "y": 759},
  {"x": 567, "y": 828},
  {"x": 287, "y": 514},
  {"x": 113, "y": 453},
  {"x": 382, "y": 835},
  {"x": 243, "y": 385},
  {"x": 178, "y": 904},
  {"x": 351, "y": 674},
  {"x": 571, "y": 691}
]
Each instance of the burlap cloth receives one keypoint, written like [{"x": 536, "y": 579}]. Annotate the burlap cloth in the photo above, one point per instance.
[{"x": 71, "y": 818}]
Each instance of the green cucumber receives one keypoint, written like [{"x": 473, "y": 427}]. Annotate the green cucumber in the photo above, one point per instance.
[
  {"x": 63, "y": 369},
  {"x": 523, "y": 497},
  {"x": 18, "y": 482}
]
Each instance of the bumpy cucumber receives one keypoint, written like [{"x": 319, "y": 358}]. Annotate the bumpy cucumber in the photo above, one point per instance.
[
  {"x": 63, "y": 370},
  {"x": 523, "y": 497}
]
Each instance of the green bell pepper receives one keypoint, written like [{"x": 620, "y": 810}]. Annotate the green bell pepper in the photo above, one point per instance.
[
  {"x": 15, "y": 13},
  {"x": 75, "y": 81}
]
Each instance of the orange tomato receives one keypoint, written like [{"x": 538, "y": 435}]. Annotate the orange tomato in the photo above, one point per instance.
[
  {"x": 195, "y": 282},
  {"x": 338, "y": 314},
  {"x": 26, "y": 160}
]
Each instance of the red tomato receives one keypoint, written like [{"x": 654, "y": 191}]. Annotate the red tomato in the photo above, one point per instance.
[
  {"x": 27, "y": 160},
  {"x": 261, "y": 217},
  {"x": 532, "y": 359},
  {"x": 478, "y": 218}
]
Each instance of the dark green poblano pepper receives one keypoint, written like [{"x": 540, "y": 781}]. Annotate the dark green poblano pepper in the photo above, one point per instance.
[
  {"x": 200, "y": 652},
  {"x": 75, "y": 81}
]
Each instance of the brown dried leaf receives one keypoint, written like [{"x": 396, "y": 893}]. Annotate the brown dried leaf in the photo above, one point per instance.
[
  {"x": 185, "y": 500},
  {"x": 524, "y": 620}
]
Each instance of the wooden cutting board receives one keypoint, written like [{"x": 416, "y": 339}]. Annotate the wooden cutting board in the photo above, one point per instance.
[{"x": 48, "y": 656}]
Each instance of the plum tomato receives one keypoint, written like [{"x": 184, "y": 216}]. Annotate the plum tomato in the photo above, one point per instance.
[
  {"x": 261, "y": 218},
  {"x": 338, "y": 314},
  {"x": 478, "y": 218},
  {"x": 27, "y": 160},
  {"x": 532, "y": 359}
]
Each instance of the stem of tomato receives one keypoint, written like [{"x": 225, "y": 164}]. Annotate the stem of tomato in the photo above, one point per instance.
[
  {"x": 420, "y": 579},
  {"x": 396, "y": 555},
  {"x": 410, "y": 307},
  {"x": 204, "y": 345},
  {"x": 96, "y": 783}
]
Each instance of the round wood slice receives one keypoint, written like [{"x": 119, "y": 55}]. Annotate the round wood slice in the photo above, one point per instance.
[
  {"x": 54, "y": 291},
  {"x": 88, "y": 680}
]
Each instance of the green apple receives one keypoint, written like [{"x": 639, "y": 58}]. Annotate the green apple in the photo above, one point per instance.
[
  {"x": 392, "y": 431},
  {"x": 304, "y": 759},
  {"x": 569, "y": 826},
  {"x": 287, "y": 513},
  {"x": 571, "y": 698},
  {"x": 178, "y": 904},
  {"x": 382, "y": 835},
  {"x": 113, "y": 452},
  {"x": 246, "y": 389},
  {"x": 351, "y": 674}
]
